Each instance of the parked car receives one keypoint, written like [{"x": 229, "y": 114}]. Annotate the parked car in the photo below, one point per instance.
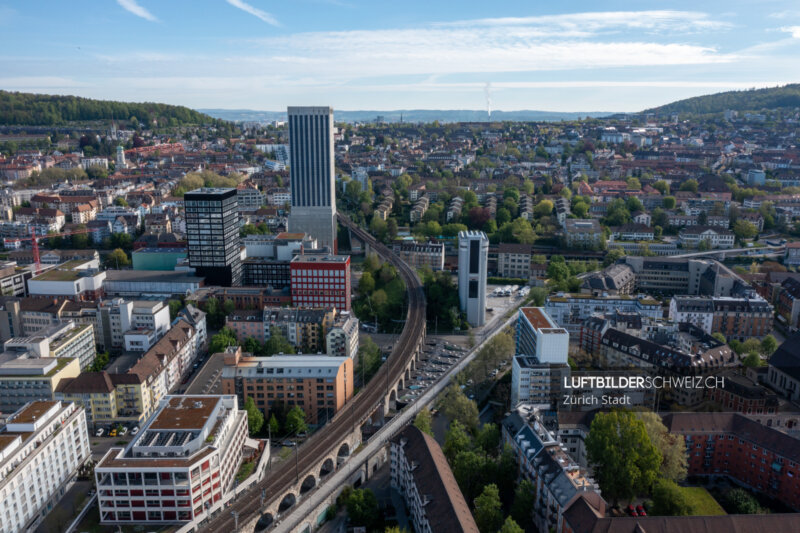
[
  {"x": 100, "y": 432},
  {"x": 122, "y": 432},
  {"x": 640, "y": 510},
  {"x": 288, "y": 443},
  {"x": 112, "y": 433},
  {"x": 135, "y": 430},
  {"x": 631, "y": 510}
]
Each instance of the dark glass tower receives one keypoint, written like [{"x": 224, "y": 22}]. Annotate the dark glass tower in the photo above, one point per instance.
[{"x": 212, "y": 228}]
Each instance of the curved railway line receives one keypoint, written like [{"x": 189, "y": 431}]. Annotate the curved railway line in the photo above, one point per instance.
[{"x": 326, "y": 441}]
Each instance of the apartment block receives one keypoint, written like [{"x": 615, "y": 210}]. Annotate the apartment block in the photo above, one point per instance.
[
  {"x": 75, "y": 280},
  {"x": 569, "y": 311},
  {"x": 514, "y": 260},
  {"x": 42, "y": 445},
  {"x": 304, "y": 328},
  {"x": 418, "y": 255},
  {"x": 27, "y": 379},
  {"x": 540, "y": 362},
  {"x": 319, "y": 384},
  {"x": 420, "y": 473},
  {"x": 63, "y": 340},
  {"x": 342, "y": 337},
  {"x": 182, "y": 463},
  {"x": 735, "y": 318}
]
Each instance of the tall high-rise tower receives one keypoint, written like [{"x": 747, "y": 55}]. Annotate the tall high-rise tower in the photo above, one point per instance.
[
  {"x": 473, "y": 258},
  {"x": 120, "y": 158},
  {"x": 312, "y": 174},
  {"x": 212, "y": 229}
]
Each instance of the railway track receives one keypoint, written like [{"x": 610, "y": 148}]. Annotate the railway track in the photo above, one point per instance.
[{"x": 326, "y": 440}]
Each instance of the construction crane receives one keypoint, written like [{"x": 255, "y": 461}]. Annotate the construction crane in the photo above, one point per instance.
[{"x": 35, "y": 242}]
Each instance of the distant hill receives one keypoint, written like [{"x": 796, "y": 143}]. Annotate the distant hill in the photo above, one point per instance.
[
  {"x": 787, "y": 96},
  {"x": 409, "y": 115},
  {"x": 50, "y": 110}
]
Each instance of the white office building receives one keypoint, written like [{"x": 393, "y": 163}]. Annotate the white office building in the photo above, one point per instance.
[
  {"x": 312, "y": 174},
  {"x": 473, "y": 257},
  {"x": 41, "y": 447}
]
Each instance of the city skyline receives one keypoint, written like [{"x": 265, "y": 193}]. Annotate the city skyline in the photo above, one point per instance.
[{"x": 354, "y": 55}]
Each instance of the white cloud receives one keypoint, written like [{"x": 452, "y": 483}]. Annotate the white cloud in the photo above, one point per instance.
[
  {"x": 263, "y": 15},
  {"x": 794, "y": 30},
  {"x": 133, "y": 7}
]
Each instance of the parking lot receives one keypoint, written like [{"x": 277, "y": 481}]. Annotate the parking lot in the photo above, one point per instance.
[{"x": 437, "y": 358}]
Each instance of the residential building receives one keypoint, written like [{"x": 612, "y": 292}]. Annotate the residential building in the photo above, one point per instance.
[
  {"x": 95, "y": 393},
  {"x": 312, "y": 174},
  {"x": 319, "y": 384},
  {"x": 180, "y": 465},
  {"x": 783, "y": 375},
  {"x": 13, "y": 279},
  {"x": 304, "y": 328},
  {"x": 792, "y": 255},
  {"x": 787, "y": 303},
  {"x": 691, "y": 237},
  {"x": 420, "y": 473},
  {"x": 342, "y": 337},
  {"x": 583, "y": 233},
  {"x": 617, "y": 279},
  {"x": 75, "y": 280},
  {"x": 633, "y": 232},
  {"x": 321, "y": 280},
  {"x": 735, "y": 446},
  {"x": 514, "y": 260},
  {"x": 418, "y": 255},
  {"x": 735, "y": 318},
  {"x": 540, "y": 360},
  {"x": 569, "y": 311},
  {"x": 741, "y": 394},
  {"x": 27, "y": 379},
  {"x": 558, "y": 480},
  {"x": 248, "y": 198},
  {"x": 473, "y": 257},
  {"x": 212, "y": 228},
  {"x": 63, "y": 340},
  {"x": 42, "y": 445}
]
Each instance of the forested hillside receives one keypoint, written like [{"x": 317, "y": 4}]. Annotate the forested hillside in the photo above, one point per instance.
[
  {"x": 787, "y": 96},
  {"x": 50, "y": 110}
]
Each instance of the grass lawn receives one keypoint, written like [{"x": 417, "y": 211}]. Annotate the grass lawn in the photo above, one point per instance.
[
  {"x": 703, "y": 503},
  {"x": 244, "y": 471}
]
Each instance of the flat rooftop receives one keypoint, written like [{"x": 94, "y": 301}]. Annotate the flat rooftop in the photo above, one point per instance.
[
  {"x": 538, "y": 318},
  {"x": 185, "y": 413},
  {"x": 33, "y": 412},
  {"x": 320, "y": 258}
]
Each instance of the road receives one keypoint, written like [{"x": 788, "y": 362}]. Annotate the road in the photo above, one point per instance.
[
  {"x": 379, "y": 440},
  {"x": 207, "y": 379},
  {"x": 326, "y": 440}
]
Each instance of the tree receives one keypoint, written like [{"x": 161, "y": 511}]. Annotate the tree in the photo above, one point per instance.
[
  {"x": 689, "y": 185},
  {"x": 668, "y": 202},
  {"x": 488, "y": 510},
  {"x": 744, "y": 229},
  {"x": 613, "y": 255},
  {"x": 625, "y": 462},
  {"x": 120, "y": 201},
  {"x": 277, "y": 343},
  {"x": 296, "y": 421},
  {"x": 174, "y": 308},
  {"x": 510, "y": 526},
  {"x": 362, "y": 508},
  {"x": 457, "y": 407},
  {"x": 662, "y": 187},
  {"x": 117, "y": 259},
  {"x": 456, "y": 440},
  {"x": 753, "y": 360},
  {"x": 669, "y": 499},
  {"x": 424, "y": 422},
  {"x": 543, "y": 208},
  {"x": 255, "y": 418},
  {"x": 523, "y": 506},
  {"x": 720, "y": 337},
  {"x": 768, "y": 345},
  {"x": 274, "y": 426},
  {"x": 369, "y": 359},
  {"x": 488, "y": 438},
  {"x": 224, "y": 338},
  {"x": 634, "y": 184},
  {"x": 580, "y": 209},
  {"x": 739, "y": 501},
  {"x": 672, "y": 447}
]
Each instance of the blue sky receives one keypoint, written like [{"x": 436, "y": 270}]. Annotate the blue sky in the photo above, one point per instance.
[{"x": 569, "y": 55}]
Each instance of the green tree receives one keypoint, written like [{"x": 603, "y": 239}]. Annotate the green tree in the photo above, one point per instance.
[
  {"x": 510, "y": 526},
  {"x": 523, "y": 506},
  {"x": 543, "y": 208},
  {"x": 580, "y": 209},
  {"x": 174, "y": 308},
  {"x": 634, "y": 184},
  {"x": 277, "y": 343},
  {"x": 424, "y": 422},
  {"x": 753, "y": 360},
  {"x": 488, "y": 438},
  {"x": 662, "y": 187},
  {"x": 625, "y": 462},
  {"x": 674, "y": 464},
  {"x": 669, "y": 499},
  {"x": 739, "y": 501},
  {"x": 274, "y": 426},
  {"x": 689, "y": 185},
  {"x": 720, "y": 337},
  {"x": 456, "y": 440},
  {"x": 255, "y": 418},
  {"x": 369, "y": 359},
  {"x": 668, "y": 202},
  {"x": 744, "y": 229},
  {"x": 296, "y": 421},
  {"x": 117, "y": 259},
  {"x": 488, "y": 510},
  {"x": 768, "y": 345},
  {"x": 224, "y": 338},
  {"x": 457, "y": 407},
  {"x": 613, "y": 255},
  {"x": 362, "y": 508},
  {"x": 119, "y": 200}
]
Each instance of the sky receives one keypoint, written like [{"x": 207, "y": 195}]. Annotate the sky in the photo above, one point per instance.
[{"x": 567, "y": 55}]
